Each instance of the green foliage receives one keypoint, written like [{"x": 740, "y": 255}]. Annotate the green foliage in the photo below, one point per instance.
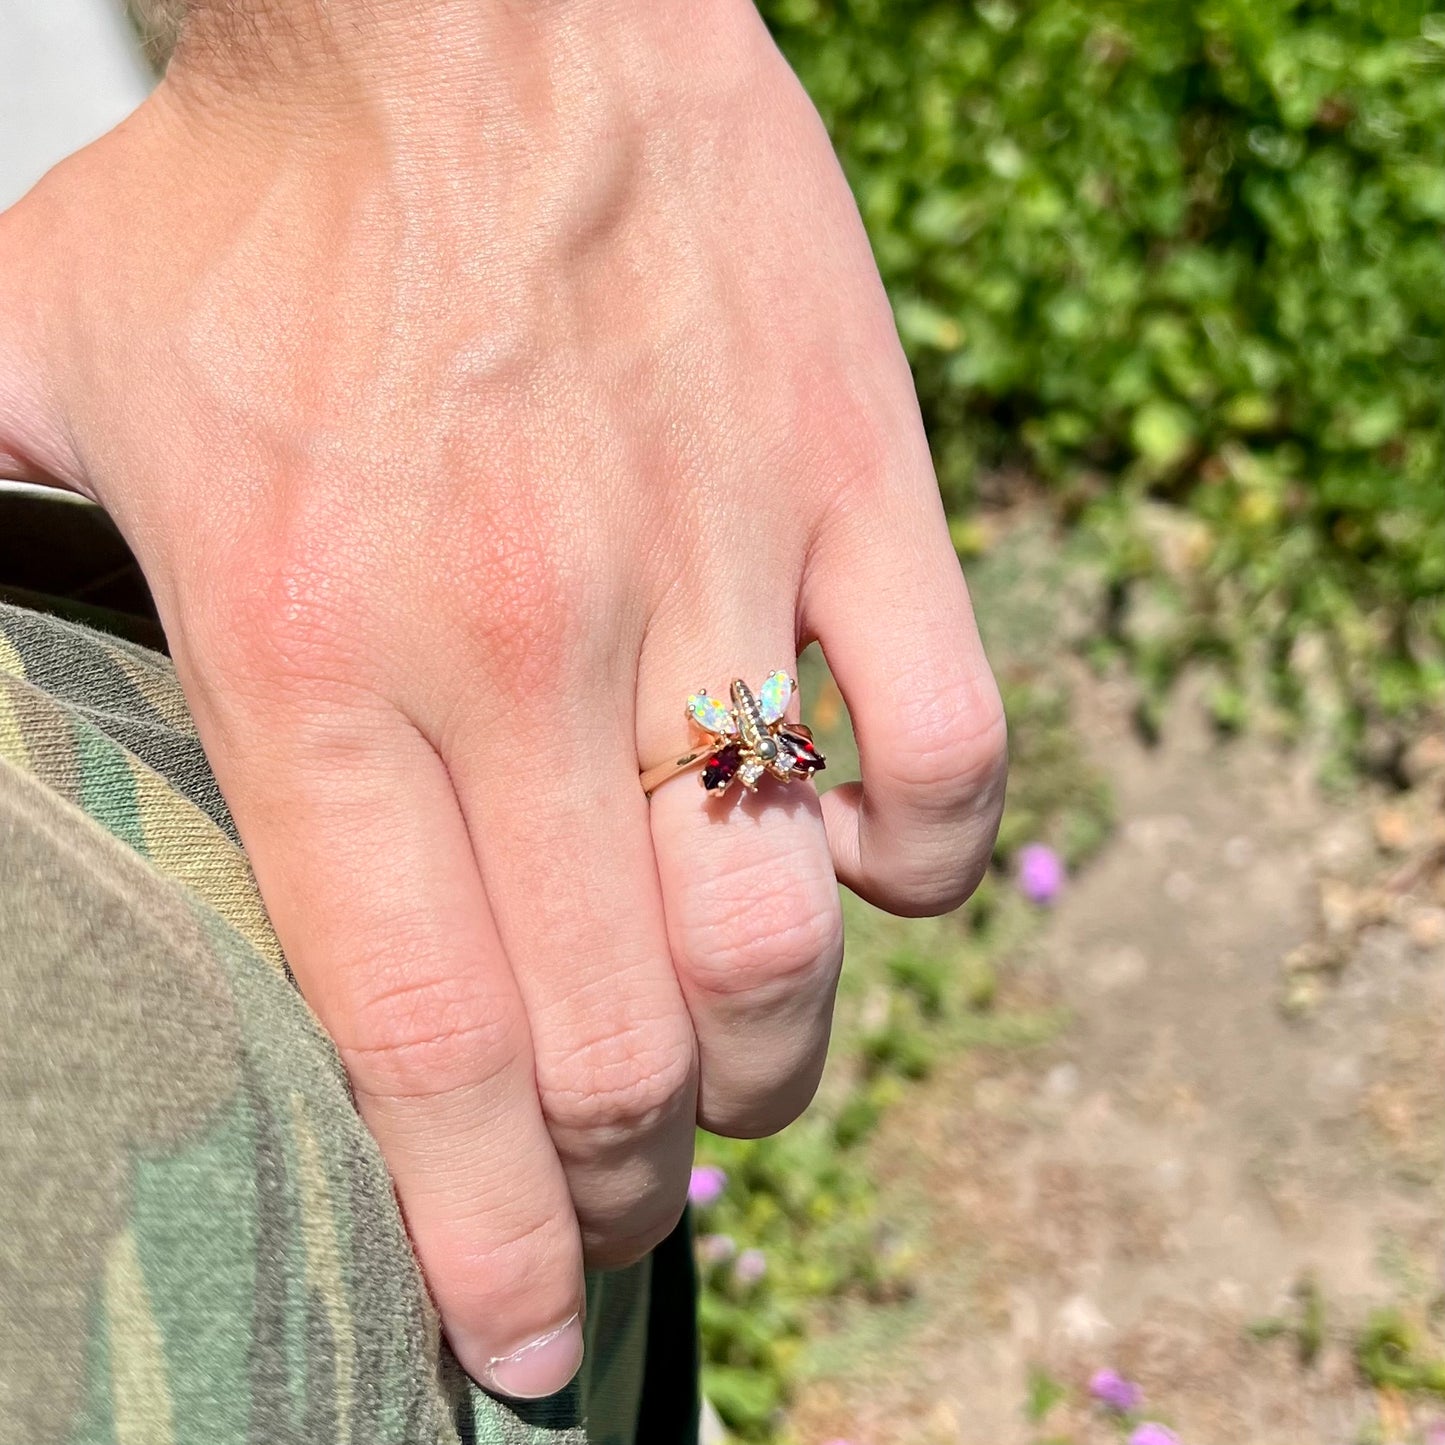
[
  {"x": 1391, "y": 1352},
  {"x": 1188, "y": 251},
  {"x": 1044, "y": 1393},
  {"x": 1305, "y": 1324},
  {"x": 1052, "y": 798},
  {"x": 802, "y": 1200},
  {"x": 1310, "y": 1335}
]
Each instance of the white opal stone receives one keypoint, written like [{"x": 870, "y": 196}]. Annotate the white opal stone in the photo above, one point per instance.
[
  {"x": 774, "y": 695},
  {"x": 711, "y": 714}
]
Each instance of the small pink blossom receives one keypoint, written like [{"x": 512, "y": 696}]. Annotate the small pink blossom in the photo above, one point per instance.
[
  {"x": 751, "y": 1266},
  {"x": 1041, "y": 873},
  {"x": 1151, "y": 1434},
  {"x": 706, "y": 1185},
  {"x": 1110, "y": 1388},
  {"x": 717, "y": 1248}
]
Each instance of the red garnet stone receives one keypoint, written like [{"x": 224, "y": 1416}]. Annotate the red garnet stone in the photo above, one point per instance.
[
  {"x": 806, "y": 757},
  {"x": 720, "y": 769}
]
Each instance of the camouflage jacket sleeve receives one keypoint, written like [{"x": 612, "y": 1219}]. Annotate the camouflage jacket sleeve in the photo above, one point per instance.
[{"x": 199, "y": 1239}]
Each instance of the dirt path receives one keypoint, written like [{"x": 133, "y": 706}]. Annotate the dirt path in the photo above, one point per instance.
[{"x": 1165, "y": 1176}]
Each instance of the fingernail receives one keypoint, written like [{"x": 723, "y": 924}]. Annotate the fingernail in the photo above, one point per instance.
[{"x": 542, "y": 1367}]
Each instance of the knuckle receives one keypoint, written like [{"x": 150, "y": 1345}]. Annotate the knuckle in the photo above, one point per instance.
[
  {"x": 764, "y": 1108},
  {"x": 285, "y": 614},
  {"x": 932, "y": 886},
  {"x": 950, "y": 744},
  {"x": 420, "y": 1039},
  {"x": 770, "y": 928},
  {"x": 516, "y": 1266},
  {"x": 529, "y": 590},
  {"x": 862, "y": 450},
  {"x": 612, "y": 1248},
  {"x": 843, "y": 439},
  {"x": 629, "y": 1084},
  {"x": 865, "y": 441},
  {"x": 943, "y": 866}
]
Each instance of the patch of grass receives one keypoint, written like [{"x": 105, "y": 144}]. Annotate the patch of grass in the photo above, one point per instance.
[
  {"x": 1310, "y": 1334},
  {"x": 1395, "y": 1352},
  {"x": 1044, "y": 1393},
  {"x": 1306, "y": 1326},
  {"x": 1399, "y": 1349}
]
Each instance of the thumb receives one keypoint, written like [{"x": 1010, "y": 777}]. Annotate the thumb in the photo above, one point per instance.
[{"x": 34, "y": 440}]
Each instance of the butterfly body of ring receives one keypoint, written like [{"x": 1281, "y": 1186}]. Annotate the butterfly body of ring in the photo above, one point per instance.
[{"x": 745, "y": 742}]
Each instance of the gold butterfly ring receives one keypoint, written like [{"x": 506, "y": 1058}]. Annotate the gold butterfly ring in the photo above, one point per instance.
[{"x": 745, "y": 742}]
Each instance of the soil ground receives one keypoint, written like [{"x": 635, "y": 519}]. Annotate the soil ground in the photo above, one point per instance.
[{"x": 1246, "y": 1113}]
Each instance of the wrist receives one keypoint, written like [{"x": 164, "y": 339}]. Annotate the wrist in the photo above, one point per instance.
[{"x": 473, "y": 57}]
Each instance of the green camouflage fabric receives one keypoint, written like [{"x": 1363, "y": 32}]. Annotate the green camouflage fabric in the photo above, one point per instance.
[{"x": 199, "y": 1243}]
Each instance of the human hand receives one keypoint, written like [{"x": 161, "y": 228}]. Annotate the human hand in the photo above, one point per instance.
[{"x": 473, "y": 386}]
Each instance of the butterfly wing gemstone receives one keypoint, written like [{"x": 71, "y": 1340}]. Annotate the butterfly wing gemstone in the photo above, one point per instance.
[
  {"x": 721, "y": 768},
  {"x": 712, "y": 715},
  {"x": 799, "y": 745},
  {"x": 774, "y": 696}
]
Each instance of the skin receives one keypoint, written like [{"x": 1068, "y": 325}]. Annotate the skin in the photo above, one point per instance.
[{"x": 473, "y": 382}]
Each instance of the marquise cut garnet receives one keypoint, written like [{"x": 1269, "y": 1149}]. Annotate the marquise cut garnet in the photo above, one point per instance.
[
  {"x": 720, "y": 769},
  {"x": 806, "y": 757}
]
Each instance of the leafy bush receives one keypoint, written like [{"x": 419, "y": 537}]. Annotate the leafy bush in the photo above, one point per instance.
[{"x": 1192, "y": 251}]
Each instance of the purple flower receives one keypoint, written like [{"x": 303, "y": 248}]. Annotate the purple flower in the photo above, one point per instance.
[
  {"x": 706, "y": 1185},
  {"x": 1041, "y": 873},
  {"x": 1151, "y": 1434},
  {"x": 1435, "y": 1433},
  {"x": 1110, "y": 1388},
  {"x": 716, "y": 1248},
  {"x": 752, "y": 1265}
]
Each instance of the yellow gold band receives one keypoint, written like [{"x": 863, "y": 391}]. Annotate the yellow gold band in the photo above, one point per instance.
[{"x": 654, "y": 778}]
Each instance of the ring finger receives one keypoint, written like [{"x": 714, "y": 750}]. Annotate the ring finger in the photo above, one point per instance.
[{"x": 749, "y": 893}]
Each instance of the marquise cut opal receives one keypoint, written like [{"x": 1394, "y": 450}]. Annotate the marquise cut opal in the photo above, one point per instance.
[
  {"x": 711, "y": 714},
  {"x": 774, "y": 695}
]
